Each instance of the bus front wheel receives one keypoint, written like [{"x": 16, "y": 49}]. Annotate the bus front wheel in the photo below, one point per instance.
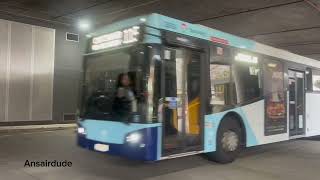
[{"x": 229, "y": 141}]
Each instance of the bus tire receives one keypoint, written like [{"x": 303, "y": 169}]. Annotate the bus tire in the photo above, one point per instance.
[{"x": 229, "y": 142}]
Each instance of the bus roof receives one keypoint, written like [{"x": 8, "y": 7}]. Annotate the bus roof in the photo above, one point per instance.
[{"x": 161, "y": 22}]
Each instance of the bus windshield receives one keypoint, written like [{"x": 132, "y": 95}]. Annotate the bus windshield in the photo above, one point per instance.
[{"x": 114, "y": 86}]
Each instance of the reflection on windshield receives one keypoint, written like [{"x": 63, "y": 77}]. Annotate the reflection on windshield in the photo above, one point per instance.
[{"x": 114, "y": 87}]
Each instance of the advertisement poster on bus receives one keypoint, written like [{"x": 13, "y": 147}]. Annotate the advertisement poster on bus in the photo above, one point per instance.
[{"x": 275, "y": 116}]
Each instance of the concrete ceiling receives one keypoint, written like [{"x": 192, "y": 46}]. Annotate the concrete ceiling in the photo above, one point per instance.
[{"x": 293, "y": 25}]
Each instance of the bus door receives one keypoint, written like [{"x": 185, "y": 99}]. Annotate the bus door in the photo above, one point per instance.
[
  {"x": 181, "y": 102},
  {"x": 296, "y": 103}
]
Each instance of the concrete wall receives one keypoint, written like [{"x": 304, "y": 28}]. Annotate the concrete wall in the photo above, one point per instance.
[
  {"x": 27, "y": 72},
  {"x": 67, "y": 74},
  {"x": 67, "y": 67}
]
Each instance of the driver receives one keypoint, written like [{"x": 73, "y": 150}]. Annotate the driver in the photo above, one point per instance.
[{"x": 125, "y": 100}]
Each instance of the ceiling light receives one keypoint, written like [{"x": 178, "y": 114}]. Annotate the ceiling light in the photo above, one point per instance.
[{"x": 84, "y": 25}]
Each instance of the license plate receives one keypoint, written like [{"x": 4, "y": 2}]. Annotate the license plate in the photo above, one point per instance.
[{"x": 101, "y": 147}]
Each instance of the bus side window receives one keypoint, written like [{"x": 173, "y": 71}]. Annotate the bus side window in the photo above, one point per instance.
[
  {"x": 220, "y": 78},
  {"x": 221, "y": 83},
  {"x": 246, "y": 74}
]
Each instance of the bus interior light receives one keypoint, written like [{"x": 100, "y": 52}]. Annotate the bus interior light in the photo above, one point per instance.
[
  {"x": 105, "y": 45},
  {"x": 272, "y": 65},
  {"x": 143, "y": 19},
  {"x": 246, "y": 58},
  {"x": 107, "y": 37}
]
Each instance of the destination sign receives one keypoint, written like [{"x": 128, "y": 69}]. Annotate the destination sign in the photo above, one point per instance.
[{"x": 116, "y": 39}]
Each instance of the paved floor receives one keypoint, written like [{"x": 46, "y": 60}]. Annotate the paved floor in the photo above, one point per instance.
[{"x": 294, "y": 160}]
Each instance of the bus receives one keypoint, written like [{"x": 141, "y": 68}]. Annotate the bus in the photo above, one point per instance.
[{"x": 156, "y": 88}]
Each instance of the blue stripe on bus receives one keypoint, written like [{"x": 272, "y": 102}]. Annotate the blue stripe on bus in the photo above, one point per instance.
[
  {"x": 152, "y": 35},
  {"x": 196, "y": 30},
  {"x": 251, "y": 137},
  {"x": 212, "y": 123},
  {"x": 151, "y": 39},
  {"x": 153, "y": 31},
  {"x": 112, "y": 131}
]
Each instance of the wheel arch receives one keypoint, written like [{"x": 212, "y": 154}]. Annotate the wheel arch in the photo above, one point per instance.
[{"x": 238, "y": 117}]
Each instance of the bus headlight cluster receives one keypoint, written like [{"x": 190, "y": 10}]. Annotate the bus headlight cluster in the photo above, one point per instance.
[
  {"x": 81, "y": 130},
  {"x": 134, "y": 138}
]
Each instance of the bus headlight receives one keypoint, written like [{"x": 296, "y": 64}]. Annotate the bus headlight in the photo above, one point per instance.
[
  {"x": 134, "y": 137},
  {"x": 81, "y": 130}
]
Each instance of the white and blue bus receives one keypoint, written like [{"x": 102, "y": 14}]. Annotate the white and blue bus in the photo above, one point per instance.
[{"x": 157, "y": 88}]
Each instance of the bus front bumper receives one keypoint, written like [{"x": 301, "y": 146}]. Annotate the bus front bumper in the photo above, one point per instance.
[{"x": 145, "y": 149}]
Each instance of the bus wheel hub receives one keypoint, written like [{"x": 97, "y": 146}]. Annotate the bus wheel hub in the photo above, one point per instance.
[{"x": 230, "y": 141}]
